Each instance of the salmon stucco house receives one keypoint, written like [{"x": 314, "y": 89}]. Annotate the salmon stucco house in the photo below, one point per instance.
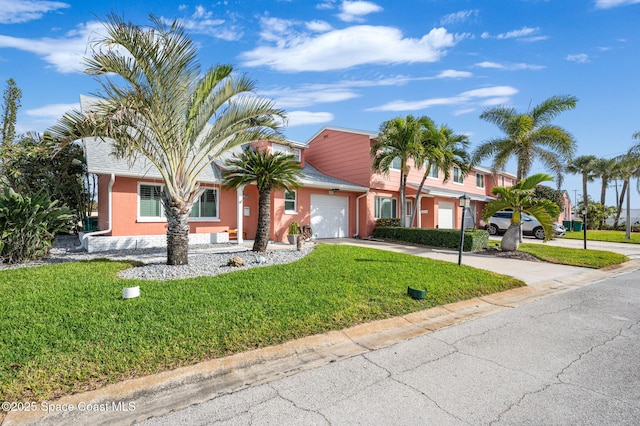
[{"x": 340, "y": 195}]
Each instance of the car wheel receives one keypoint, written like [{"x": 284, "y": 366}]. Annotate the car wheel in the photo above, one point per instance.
[
  {"x": 538, "y": 233},
  {"x": 493, "y": 229}
]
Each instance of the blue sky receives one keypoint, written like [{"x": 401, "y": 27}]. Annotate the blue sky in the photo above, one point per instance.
[{"x": 356, "y": 64}]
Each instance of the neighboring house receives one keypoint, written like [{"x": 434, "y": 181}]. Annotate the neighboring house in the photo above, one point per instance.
[
  {"x": 346, "y": 154},
  {"x": 340, "y": 196}
]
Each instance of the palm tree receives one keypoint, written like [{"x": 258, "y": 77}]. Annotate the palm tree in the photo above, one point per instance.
[
  {"x": 442, "y": 149},
  {"x": 529, "y": 137},
  {"x": 400, "y": 140},
  {"x": 178, "y": 116},
  {"x": 583, "y": 165},
  {"x": 268, "y": 171},
  {"x": 521, "y": 198},
  {"x": 604, "y": 168}
]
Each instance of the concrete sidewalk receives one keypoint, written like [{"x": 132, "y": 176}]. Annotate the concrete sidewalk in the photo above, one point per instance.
[{"x": 159, "y": 394}]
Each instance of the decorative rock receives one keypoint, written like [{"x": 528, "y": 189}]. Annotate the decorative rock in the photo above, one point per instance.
[
  {"x": 261, "y": 260},
  {"x": 235, "y": 261}
]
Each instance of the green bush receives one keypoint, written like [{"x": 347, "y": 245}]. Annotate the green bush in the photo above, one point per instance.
[
  {"x": 28, "y": 225},
  {"x": 387, "y": 222},
  {"x": 449, "y": 238}
]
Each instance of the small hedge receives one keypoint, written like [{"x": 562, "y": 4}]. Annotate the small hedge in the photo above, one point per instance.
[
  {"x": 387, "y": 222},
  {"x": 448, "y": 238}
]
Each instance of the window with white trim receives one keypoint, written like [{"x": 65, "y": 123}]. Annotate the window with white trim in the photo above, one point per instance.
[
  {"x": 385, "y": 208},
  {"x": 457, "y": 175},
  {"x": 290, "y": 201},
  {"x": 433, "y": 171},
  {"x": 150, "y": 201},
  {"x": 207, "y": 205},
  {"x": 276, "y": 147},
  {"x": 479, "y": 180},
  {"x": 395, "y": 164}
]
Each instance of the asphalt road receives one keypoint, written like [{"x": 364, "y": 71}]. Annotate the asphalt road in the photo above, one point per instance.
[{"x": 568, "y": 359}]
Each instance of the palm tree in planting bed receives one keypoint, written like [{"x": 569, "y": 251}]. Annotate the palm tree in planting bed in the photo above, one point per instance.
[
  {"x": 268, "y": 171},
  {"x": 583, "y": 165},
  {"x": 178, "y": 116},
  {"x": 441, "y": 149},
  {"x": 604, "y": 168},
  {"x": 399, "y": 141},
  {"x": 521, "y": 198},
  {"x": 529, "y": 137}
]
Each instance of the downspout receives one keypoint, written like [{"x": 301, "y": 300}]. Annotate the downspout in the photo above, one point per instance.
[
  {"x": 112, "y": 179},
  {"x": 358, "y": 212},
  {"x": 239, "y": 213}
]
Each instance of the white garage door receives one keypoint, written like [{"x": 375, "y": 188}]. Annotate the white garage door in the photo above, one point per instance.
[
  {"x": 329, "y": 216},
  {"x": 445, "y": 215}
]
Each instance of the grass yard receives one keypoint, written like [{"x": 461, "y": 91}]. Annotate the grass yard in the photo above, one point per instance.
[
  {"x": 66, "y": 329},
  {"x": 575, "y": 257},
  {"x": 610, "y": 236}
]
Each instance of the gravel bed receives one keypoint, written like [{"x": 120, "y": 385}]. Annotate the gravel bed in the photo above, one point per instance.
[{"x": 204, "y": 260}]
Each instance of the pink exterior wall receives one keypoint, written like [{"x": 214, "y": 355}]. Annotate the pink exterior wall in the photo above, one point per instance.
[
  {"x": 341, "y": 154},
  {"x": 125, "y": 210},
  {"x": 281, "y": 220}
]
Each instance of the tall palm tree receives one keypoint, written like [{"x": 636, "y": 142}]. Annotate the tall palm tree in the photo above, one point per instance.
[
  {"x": 529, "y": 137},
  {"x": 169, "y": 110},
  {"x": 604, "y": 168},
  {"x": 442, "y": 149},
  {"x": 584, "y": 166},
  {"x": 521, "y": 198},
  {"x": 399, "y": 141},
  {"x": 268, "y": 171}
]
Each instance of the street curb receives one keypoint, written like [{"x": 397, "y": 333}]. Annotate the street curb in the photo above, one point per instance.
[{"x": 155, "y": 395}]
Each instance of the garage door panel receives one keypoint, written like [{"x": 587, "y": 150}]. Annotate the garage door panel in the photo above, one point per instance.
[
  {"x": 445, "y": 215},
  {"x": 329, "y": 216}
]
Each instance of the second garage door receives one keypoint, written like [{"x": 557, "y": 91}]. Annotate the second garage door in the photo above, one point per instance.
[{"x": 329, "y": 216}]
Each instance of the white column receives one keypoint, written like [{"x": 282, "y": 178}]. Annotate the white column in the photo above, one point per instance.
[
  {"x": 419, "y": 209},
  {"x": 240, "y": 212}
]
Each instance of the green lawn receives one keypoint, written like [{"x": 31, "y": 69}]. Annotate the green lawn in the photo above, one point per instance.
[
  {"x": 610, "y": 236},
  {"x": 66, "y": 329},
  {"x": 575, "y": 257}
]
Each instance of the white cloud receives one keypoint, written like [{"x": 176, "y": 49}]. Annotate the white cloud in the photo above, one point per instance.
[
  {"x": 523, "y": 34},
  {"x": 457, "y": 17},
  {"x": 202, "y": 21},
  {"x": 454, "y": 74},
  {"x": 13, "y": 12},
  {"x": 318, "y": 26},
  {"x": 581, "y": 58},
  {"x": 345, "y": 48},
  {"x": 606, "y": 4},
  {"x": 307, "y": 95},
  {"x": 509, "y": 67},
  {"x": 54, "y": 111},
  {"x": 301, "y": 118},
  {"x": 353, "y": 11},
  {"x": 485, "y": 96},
  {"x": 64, "y": 53}
]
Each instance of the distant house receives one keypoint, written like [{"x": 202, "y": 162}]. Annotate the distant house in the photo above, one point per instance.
[{"x": 340, "y": 195}]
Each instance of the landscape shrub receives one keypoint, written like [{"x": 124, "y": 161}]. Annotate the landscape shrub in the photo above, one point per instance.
[
  {"x": 28, "y": 225},
  {"x": 449, "y": 238},
  {"x": 387, "y": 222}
]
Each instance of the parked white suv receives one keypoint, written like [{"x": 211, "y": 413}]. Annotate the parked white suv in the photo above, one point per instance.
[{"x": 499, "y": 222}]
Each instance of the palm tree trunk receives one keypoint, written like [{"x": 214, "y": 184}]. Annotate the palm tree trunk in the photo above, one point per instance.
[
  {"x": 403, "y": 198},
  {"x": 264, "y": 221},
  {"x": 603, "y": 196},
  {"x": 177, "y": 232},
  {"x": 415, "y": 205},
  {"x": 625, "y": 183}
]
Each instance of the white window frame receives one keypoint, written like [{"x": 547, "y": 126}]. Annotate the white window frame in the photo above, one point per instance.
[
  {"x": 208, "y": 218},
  {"x": 163, "y": 218},
  {"x": 392, "y": 165},
  {"x": 459, "y": 176},
  {"x": 376, "y": 208},
  {"x": 296, "y": 152},
  {"x": 433, "y": 170},
  {"x": 480, "y": 176},
  {"x": 140, "y": 218},
  {"x": 295, "y": 201}
]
